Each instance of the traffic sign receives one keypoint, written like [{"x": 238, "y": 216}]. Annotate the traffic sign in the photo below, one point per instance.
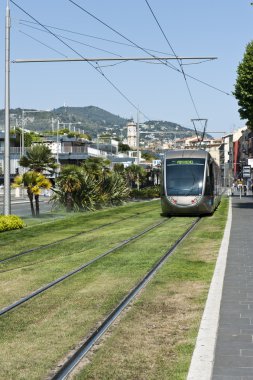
[{"x": 246, "y": 171}]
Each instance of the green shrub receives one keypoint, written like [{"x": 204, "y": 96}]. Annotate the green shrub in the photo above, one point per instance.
[
  {"x": 10, "y": 222},
  {"x": 146, "y": 193}
]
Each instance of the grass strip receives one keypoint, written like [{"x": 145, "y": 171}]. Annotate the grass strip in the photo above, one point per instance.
[
  {"x": 60, "y": 318},
  {"x": 155, "y": 338},
  {"x": 15, "y": 241},
  {"x": 37, "y": 269}
]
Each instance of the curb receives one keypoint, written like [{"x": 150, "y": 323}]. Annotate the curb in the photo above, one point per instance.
[{"x": 201, "y": 366}]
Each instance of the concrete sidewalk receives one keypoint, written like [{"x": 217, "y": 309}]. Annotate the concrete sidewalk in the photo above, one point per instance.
[
  {"x": 234, "y": 344},
  {"x": 224, "y": 346}
]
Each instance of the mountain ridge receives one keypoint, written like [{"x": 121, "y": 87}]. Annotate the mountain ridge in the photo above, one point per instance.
[{"x": 93, "y": 120}]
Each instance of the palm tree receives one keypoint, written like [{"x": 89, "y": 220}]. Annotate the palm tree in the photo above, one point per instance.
[
  {"x": 34, "y": 182},
  {"x": 119, "y": 168},
  {"x": 97, "y": 166},
  {"x": 39, "y": 158},
  {"x": 115, "y": 189},
  {"x": 135, "y": 174},
  {"x": 69, "y": 182},
  {"x": 78, "y": 189}
]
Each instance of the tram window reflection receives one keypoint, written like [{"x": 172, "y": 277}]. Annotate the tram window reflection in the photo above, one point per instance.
[{"x": 185, "y": 177}]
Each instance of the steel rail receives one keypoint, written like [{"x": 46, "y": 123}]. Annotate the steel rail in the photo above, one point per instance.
[
  {"x": 80, "y": 353},
  {"x": 43, "y": 246},
  {"x": 77, "y": 270}
]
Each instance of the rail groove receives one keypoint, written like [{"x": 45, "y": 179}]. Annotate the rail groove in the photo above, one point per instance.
[
  {"x": 43, "y": 246},
  {"x": 80, "y": 353},
  {"x": 69, "y": 274}
]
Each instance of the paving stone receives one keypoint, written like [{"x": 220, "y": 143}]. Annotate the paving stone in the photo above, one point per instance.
[
  {"x": 234, "y": 345},
  {"x": 221, "y": 377}
]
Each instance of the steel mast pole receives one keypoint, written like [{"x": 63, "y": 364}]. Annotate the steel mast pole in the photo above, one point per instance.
[
  {"x": 138, "y": 138},
  {"x": 7, "y": 197},
  {"x": 138, "y": 148}
]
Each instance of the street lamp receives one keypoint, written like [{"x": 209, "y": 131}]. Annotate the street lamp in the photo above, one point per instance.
[
  {"x": 57, "y": 142},
  {"x": 7, "y": 190}
]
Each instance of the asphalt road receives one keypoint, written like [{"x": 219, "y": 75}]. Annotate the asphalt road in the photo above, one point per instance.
[{"x": 22, "y": 208}]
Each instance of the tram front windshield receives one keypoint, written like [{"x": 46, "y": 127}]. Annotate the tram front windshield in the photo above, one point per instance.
[{"x": 185, "y": 176}]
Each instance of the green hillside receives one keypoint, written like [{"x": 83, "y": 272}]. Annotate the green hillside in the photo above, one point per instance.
[{"x": 92, "y": 120}]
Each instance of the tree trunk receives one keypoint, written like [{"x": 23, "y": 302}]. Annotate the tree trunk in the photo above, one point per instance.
[
  {"x": 37, "y": 205},
  {"x": 30, "y": 196},
  {"x": 69, "y": 202}
]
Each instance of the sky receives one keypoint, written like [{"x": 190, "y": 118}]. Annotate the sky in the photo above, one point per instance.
[{"x": 196, "y": 28}]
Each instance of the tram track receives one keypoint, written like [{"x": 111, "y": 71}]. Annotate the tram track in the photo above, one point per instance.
[
  {"x": 74, "y": 359},
  {"x": 41, "y": 247},
  {"x": 80, "y": 268}
]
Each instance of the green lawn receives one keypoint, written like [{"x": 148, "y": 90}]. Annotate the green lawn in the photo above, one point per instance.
[{"x": 37, "y": 335}]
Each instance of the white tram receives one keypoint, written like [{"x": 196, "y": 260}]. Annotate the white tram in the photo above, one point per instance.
[{"x": 190, "y": 183}]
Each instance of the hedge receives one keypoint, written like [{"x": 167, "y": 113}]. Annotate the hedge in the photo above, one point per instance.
[
  {"x": 10, "y": 222},
  {"x": 146, "y": 193}
]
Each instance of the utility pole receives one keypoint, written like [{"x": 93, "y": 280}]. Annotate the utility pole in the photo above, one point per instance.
[
  {"x": 23, "y": 134},
  {"x": 7, "y": 190},
  {"x": 52, "y": 124},
  {"x": 57, "y": 142},
  {"x": 138, "y": 148},
  {"x": 98, "y": 141},
  {"x": 138, "y": 138}
]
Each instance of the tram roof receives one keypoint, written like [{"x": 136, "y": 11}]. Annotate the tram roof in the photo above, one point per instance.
[{"x": 186, "y": 153}]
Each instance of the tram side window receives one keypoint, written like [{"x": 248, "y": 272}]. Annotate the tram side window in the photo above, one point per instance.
[{"x": 209, "y": 190}]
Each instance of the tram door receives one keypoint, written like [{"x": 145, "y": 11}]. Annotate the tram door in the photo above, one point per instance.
[{"x": 210, "y": 185}]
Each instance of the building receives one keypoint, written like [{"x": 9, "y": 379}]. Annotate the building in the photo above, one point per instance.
[{"x": 132, "y": 138}]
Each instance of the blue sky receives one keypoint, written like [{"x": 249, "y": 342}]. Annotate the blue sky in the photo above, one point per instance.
[{"x": 218, "y": 28}]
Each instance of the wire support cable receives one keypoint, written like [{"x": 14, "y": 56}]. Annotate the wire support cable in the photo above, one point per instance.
[
  {"x": 80, "y": 55},
  {"x": 72, "y": 40},
  {"x": 143, "y": 49},
  {"x": 179, "y": 63},
  {"x": 24, "y": 23}
]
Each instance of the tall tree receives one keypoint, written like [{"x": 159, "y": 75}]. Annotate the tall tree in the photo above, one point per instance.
[
  {"x": 136, "y": 175},
  {"x": 39, "y": 158},
  {"x": 97, "y": 166},
  {"x": 33, "y": 182},
  {"x": 244, "y": 86},
  {"x": 69, "y": 184},
  {"x": 81, "y": 189}
]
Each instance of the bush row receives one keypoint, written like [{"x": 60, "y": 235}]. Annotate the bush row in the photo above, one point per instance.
[
  {"x": 10, "y": 222},
  {"x": 146, "y": 193}
]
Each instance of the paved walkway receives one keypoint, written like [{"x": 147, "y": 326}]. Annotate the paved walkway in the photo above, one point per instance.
[
  {"x": 234, "y": 345},
  {"x": 224, "y": 346}
]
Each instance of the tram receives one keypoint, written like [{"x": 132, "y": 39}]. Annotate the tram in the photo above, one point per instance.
[{"x": 190, "y": 183}]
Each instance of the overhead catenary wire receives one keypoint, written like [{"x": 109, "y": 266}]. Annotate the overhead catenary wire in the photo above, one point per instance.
[
  {"x": 42, "y": 43},
  {"x": 80, "y": 55},
  {"x": 147, "y": 60},
  {"x": 136, "y": 46},
  {"x": 180, "y": 65},
  {"x": 72, "y": 40},
  {"x": 24, "y": 23},
  {"x": 143, "y": 49},
  {"x": 106, "y": 51},
  {"x": 120, "y": 34},
  {"x": 153, "y": 63}
]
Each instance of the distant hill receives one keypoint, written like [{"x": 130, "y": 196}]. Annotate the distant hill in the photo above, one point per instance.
[{"x": 93, "y": 120}]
